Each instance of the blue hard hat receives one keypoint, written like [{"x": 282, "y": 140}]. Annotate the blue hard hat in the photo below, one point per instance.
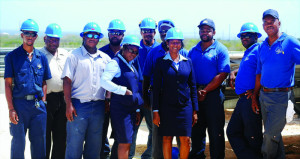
[
  {"x": 92, "y": 27},
  {"x": 167, "y": 22},
  {"x": 116, "y": 24},
  {"x": 249, "y": 28},
  {"x": 131, "y": 40},
  {"x": 174, "y": 33},
  {"x": 53, "y": 30},
  {"x": 29, "y": 25},
  {"x": 148, "y": 23}
]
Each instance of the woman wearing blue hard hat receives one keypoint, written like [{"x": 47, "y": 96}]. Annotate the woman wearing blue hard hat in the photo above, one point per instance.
[
  {"x": 121, "y": 78},
  {"x": 175, "y": 97}
]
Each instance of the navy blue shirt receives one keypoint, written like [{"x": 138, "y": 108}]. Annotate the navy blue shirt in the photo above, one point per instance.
[
  {"x": 28, "y": 75},
  {"x": 276, "y": 63},
  {"x": 143, "y": 52},
  {"x": 153, "y": 55},
  {"x": 106, "y": 49},
  {"x": 245, "y": 79},
  {"x": 210, "y": 62}
]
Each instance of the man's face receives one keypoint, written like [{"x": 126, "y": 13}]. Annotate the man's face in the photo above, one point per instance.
[
  {"x": 29, "y": 37},
  {"x": 271, "y": 25},
  {"x": 148, "y": 35},
  {"x": 51, "y": 43},
  {"x": 248, "y": 39},
  {"x": 206, "y": 33},
  {"x": 130, "y": 52},
  {"x": 91, "y": 39},
  {"x": 115, "y": 37},
  {"x": 163, "y": 32}
]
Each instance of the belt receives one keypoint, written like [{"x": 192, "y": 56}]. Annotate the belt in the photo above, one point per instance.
[
  {"x": 277, "y": 89},
  {"x": 27, "y": 97},
  {"x": 242, "y": 95}
]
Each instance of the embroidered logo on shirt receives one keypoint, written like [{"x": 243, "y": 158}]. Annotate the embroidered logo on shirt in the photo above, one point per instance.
[
  {"x": 247, "y": 58},
  {"x": 279, "y": 51},
  {"x": 210, "y": 55},
  {"x": 39, "y": 66}
]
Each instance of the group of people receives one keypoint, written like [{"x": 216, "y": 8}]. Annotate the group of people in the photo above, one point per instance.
[{"x": 66, "y": 99}]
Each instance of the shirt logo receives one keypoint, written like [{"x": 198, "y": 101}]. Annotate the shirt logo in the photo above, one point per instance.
[
  {"x": 210, "y": 55},
  {"x": 247, "y": 58},
  {"x": 279, "y": 51},
  {"x": 39, "y": 66}
]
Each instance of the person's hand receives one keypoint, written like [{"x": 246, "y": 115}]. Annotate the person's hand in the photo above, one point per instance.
[
  {"x": 232, "y": 79},
  {"x": 70, "y": 111},
  {"x": 201, "y": 95},
  {"x": 13, "y": 116},
  {"x": 156, "y": 119},
  {"x": 249, "y": 93},
  {"x": 107, "y": 104},
  {"x": 254, "y": 105},
  {"x": 137, "y": 118},
  {"x": 128, "y": 92},
  {"x": 195, "y": 118}
]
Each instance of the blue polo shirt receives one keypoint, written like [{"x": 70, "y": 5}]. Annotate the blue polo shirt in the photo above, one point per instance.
[
  {"x": 28, "y": 75},
  {"x": 153, "y": 55},
  {"x": 143, "y": 52},
  {"x": 106, "y": 49},
  {"x": 276, "y": 63},
  {"x": 210, "y": 62},
  {"x": 245, "y": 79}
]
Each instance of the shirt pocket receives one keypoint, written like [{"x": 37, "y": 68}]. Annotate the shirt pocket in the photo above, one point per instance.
[
  {"x": 39, "y": 75},
  {"x": 22, "y": 76}
]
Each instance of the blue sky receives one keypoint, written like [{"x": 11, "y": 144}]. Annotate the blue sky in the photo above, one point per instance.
[{"x": 72, "y": 15}]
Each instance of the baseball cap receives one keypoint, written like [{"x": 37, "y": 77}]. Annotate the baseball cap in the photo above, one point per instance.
[
  {"x": 272, "y": 13},
  {"x": 208, "y": 22}
]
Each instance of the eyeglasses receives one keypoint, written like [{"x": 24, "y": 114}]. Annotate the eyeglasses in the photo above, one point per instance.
[
  {"x": 148, "y": 31},
  {"x": 118, "y": 33},
  {"x": 246, "y": 36},
  {"x": 29, "y": 34},
  {"x": 163, "y": 31},
  {"x": 95, "y": 36},
  {"x": 132, "y": 51},
  {"x": 205, "y": 30}
]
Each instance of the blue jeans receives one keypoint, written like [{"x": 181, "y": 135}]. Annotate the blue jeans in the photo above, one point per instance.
[
  {"x": 244, "y": 130},
  {"x": 105, "y": 149},
  {"x": 148, "y": 152},
  {"x": 86, "y": 127},
  {"x": 273, "y": 110},
  {"x": 31, "y": 118}
]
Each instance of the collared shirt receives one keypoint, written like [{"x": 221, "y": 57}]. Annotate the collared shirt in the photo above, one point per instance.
[
  {"x": 106, "y": 49},
  {"x": 143, "y": 52},
  {"x": 85, "y": 71},
  {"x": 28, "y": 75},
  {"x": 276, "y": 63},
  {"x": 210, "y": 62},
  {"x": 56, "y": 64},
  {"x": 246, "y": 76},
  {"x": 152, "y": 56},
  {"x": 113, "y": 70},
  {"x": 181, "y": 58}
]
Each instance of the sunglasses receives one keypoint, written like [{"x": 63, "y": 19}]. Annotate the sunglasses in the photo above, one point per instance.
[
  {"x": 28, "y": 34},
  {"x": 118, "y": 33},
  {"x": 148, "y": 31},
  {"x": 95, "y": 36},
  {"x": 132, "y": 51},
  {"x": 246, "y": 36},
  {"x": 163, "y": 31}
]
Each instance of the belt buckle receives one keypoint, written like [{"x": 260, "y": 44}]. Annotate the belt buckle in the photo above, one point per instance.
[{"x": 29, "y": 97}]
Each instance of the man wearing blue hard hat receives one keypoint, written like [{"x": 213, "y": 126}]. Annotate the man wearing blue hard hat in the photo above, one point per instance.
[
  {"x": 85, "y": 96},
  {"x": 277, "y": 57},
  {"x": 56, "y": 106},
  {"x": 116, "y": 29},
  {"x": 28, "y": 69},
  {"x": 147, "y": 27},
  {"x": 244, "y": 129},
  {"x": 148, "y": 73},
  {"x": 211, "y": 65}
]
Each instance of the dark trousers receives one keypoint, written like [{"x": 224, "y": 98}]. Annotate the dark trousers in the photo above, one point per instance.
[
  {"x": 211, "y": 117},
  {"x": 105, "y": 144},
  {"x": 56, "y": 125},
  {"x": 244, "y": 131}
]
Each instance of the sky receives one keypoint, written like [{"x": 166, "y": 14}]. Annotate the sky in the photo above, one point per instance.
[{"x": 72, "y": 15}]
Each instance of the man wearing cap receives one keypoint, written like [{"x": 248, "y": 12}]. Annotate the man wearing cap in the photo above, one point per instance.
[
  {"x": 116, "y": 29},
  {"x": 84, "y": 95},
  {"x": 153, "y": 55},
  {"x": 56, "y": 106},
  {"x": 277, "y": 58},
  {"x": 148, "y": 42},
  {"x": 28, "y": 69},
  {"x": 244, "y": 129},
  {"x": 211, "y": 64}
]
